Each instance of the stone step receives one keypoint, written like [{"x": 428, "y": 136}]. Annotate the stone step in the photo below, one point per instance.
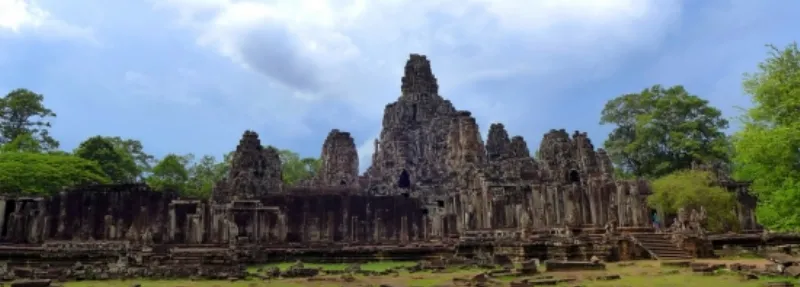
[
  {"x": 663, "y": 248},
  {"x": 660, "y": 246},
  {"x": 675, "y": 258},
  {"x": 669, "y": 252},
  {"x": 673, "y": 248},
  {"x": 653, "y": 239}
]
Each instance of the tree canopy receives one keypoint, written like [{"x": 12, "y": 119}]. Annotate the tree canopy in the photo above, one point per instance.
[
  {"x": 23, "y": 112},
  {"x": 115, "y": 161},
  {"x": 23, "y": 143},
  {"x": 691, "y": 190},
  {"x": 206, "y": 172},
  {"x": 41, "y": 173},
  {"x": 170, "y": 173},
  {"x": 662, "y": 130},
  {"x": 295, "y": 168},
  {"x": 30, "y": 156},
  {"x": 768, "y": 145}
]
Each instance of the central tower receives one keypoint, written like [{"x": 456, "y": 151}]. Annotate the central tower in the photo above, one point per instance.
[{"x": 421, "y": 135}]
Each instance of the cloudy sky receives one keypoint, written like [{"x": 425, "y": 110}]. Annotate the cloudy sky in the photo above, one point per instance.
[{"x": 189, "y": 76}]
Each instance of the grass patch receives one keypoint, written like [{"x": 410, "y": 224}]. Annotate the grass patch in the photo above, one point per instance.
[
  {"x": 641, "y": 273},
  {"x": 369, "y": 266}
]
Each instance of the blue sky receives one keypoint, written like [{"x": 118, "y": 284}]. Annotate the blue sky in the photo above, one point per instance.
[{"x": 189, "y": 76}]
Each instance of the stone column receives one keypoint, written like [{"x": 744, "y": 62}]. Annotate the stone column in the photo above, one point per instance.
[
  {"x": 404, "y": 229},
  {"x": 255, "y": 224},
  {"x": 2, "y": 213},
  {"x": 172, "y": 222}
]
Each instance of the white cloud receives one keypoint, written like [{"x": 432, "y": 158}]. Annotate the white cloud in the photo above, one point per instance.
[
  {"x": 330, "y": 47},
  {"x": 20, "y": 16},
  {"x": 14, "y": 14},
  {"x": 353, "y": 50}
]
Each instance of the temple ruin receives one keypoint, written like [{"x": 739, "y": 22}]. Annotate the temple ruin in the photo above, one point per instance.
[{"x": 434, "y": 188}]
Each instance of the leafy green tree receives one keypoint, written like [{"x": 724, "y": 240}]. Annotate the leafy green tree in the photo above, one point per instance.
[
  {"x": 117, "y": 163},
  {"x": 170, "y": 173},
  {"x": 691, "y": 190},
  {"x": 662, "y": 130},
  {"x": 41, "y": 173},
  {"x": 204, "y": 174},
  {"x": 23, "y": 112},
  {"x": 135, "y": 150},
  {"x": 768, "y": 146},
  {"x": 295, "y": 168},
  {"x": 23, "y": 143}
]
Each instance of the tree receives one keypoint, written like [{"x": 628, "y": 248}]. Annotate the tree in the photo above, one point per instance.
[
  {"x": 170, "y": 173},
  {"x": 659, "y": 131},
  {"x": 205, "y": 173},
  {"x": 134, "y": 149},
  {"x": 768, "y": 146},
  {"x": 117, "y": 163},
  {"x": 40, "y": 173},
  {"x": 23, "y": 112},
  {"x": 691, "y": 190},
  {"x": 23, "y": 143},
  {"x": 296, "y": 169}
]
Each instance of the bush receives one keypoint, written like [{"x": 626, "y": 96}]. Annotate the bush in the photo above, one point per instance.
[
  {"x": 38, "y": 173},
  {"x": 690, "y": 189}
]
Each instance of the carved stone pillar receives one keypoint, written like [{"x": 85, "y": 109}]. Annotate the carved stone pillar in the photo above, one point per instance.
[
  {"x": 172, "y": 222},
  {"x": 404, "y": 229}
]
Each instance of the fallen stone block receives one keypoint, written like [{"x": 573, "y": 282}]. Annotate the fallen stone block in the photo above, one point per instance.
[
  {"x": 782, "y": 258},
  {"x": 572, "y": 266},
  {"x": 774, "y": 269},
  {"x": 705, "y": 267},
  {"x": 608, "y": 277},
  {"x": 529, "y": 267},
  {"x": 793, "y": 271},
  {"x": 503, "y": 261},
  {"x": 32, "y": 283},
  {"x": 499, "y": 273},
  {"x": 541, "y": 282}
]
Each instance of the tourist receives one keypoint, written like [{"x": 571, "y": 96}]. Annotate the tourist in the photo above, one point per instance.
[{"x": 655, "y": 221}]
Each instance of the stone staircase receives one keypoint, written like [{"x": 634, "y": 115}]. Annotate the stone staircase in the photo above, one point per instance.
[{"x": 660, "y": 247}]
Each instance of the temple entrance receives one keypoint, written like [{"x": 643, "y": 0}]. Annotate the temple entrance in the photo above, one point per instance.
[
  {"x": 574, "y": 176},
  {"x": 11, "y": 205},
  {"x": 404, "y": 181},
  {"x": 342, "y": 182}
]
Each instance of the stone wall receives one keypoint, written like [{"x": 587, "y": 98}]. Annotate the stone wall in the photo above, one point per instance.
[
  {"x": 139, "y": 215},
  {"x": 111, "y": 212}
]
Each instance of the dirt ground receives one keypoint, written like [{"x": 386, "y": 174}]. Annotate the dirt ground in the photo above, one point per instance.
[{"x": 634, "y": 273}]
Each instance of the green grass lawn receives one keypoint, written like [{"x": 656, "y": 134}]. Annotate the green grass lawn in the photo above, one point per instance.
[
  {"x": 370, "y": 266},
  {"x": 642, "y": 273}
]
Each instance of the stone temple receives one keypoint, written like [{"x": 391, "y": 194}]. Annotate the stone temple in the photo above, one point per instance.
[{"x": 435, "y": 188}]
